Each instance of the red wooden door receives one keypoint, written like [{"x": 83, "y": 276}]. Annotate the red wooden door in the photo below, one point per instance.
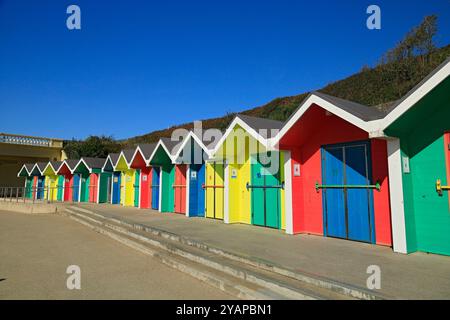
[
  {"x": 145, "y": 188},
  {"x": 67, "y": 187},
  {"x": 93, "y": 187},
  {"x": 180, "y": 189}
]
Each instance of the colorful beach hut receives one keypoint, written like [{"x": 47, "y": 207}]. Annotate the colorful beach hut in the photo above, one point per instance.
[
  {"x": 190, "y": 182},
  {"x": 253, "y": 181},
  {"x": 54, "y": 183},
  {"x": 113, "y": 196},
  {"x": 95, "y": 184},
  {"x": 148, "y": 189},
  {"x": 418, "y": 127},
  {"x": 37, "y": 172},
  {"x": 71, "y": 181},
  {"x": 161, "y": 161},
  {"x": 30, "y": 181},
  {"x": 337, "y": 174},
  {"x": 129, "y": 193}
]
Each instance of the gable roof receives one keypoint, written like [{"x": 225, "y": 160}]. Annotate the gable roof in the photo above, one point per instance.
[
  {"x": 127, "y": 154},
  {"x": 112, "y": 158},
  {"x": 418, "y": 92},
  {"x": 364, "y": 117},
  {"x": 361, "y": 111},
  {"x": 91, "y": 163},
  {"x": 55, "y": 165},
  {"x": 28, "y": 167},
  {"x": 259, "y": 128},
  {"x": 146, "y": 150},
  {"x": 195, "y": 137}
]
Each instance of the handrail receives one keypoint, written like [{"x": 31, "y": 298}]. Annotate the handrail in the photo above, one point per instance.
[
  {"x": 440, "y": 187},
  {"x": 376, "y": 186},
  {"x": 204, "y": 186},
  {"x": 278, "y": 186}
]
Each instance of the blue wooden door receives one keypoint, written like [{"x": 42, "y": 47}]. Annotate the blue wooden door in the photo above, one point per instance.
[
  {"x": 40, "y": 188},
  {"x": 155, "y": 187},
  {"x": 348, "y": 212},
  {"x": 196, "y": 192},
  {"x": 76, "y": 188},
  {"x": 116, "y": 188}
]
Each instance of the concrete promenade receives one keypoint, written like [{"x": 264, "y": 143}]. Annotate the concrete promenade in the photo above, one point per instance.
[{"x": 414, "y": 276}]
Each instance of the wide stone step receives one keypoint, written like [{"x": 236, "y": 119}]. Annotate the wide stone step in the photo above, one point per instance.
[{"x": 278, "y": 284}]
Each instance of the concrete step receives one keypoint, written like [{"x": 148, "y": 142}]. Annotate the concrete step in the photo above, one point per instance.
[
  {"x": 304, "y": 277},
  {"x": 280, "y": 286},
  {"x": 229, "y": 284}
]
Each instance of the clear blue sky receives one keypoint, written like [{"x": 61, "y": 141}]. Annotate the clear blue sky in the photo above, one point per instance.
[{"x": 137, "y": 66}]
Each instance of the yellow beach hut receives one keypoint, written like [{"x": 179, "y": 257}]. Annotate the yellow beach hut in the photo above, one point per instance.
[{"x": 253, "y": 174}]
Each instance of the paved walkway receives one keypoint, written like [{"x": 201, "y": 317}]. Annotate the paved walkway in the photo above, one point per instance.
[
  {"x": 35, "y": 251},
  {"x": 414, "y": 276}
]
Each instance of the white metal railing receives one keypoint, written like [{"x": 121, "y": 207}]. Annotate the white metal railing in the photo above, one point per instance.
[{"x": 32, "y": 141}]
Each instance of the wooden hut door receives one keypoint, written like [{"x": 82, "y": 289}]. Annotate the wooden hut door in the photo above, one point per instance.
[
  {"x": 180, "y": 189},
  {"x": 347, "y": 200}
]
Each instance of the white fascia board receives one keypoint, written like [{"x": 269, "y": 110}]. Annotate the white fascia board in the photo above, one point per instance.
[
  {"x": 246, "y": 127},
  {"x": 36, "y": 166},
  {"x": 118, "y": 160},
  {"x": 49, "y": 164},
  {"x": 85, "y": 164},
  {"x": 418, "y": 94},
  {"x": 23, "y": 167},
  {"x": 368, "y": 126},
  {"x": 160, "y": 143},
  {"x": 186, "y": 140},
  {"x": 138, "y": 149}
]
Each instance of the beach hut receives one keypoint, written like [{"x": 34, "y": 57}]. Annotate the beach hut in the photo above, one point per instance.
[
  {"x": 337, "y": 173},
  {"x": 30, "y": 181},
  {"x": 113, "y": 196},
  {"x": 95, "y": 184},
  {"x": 418, "y": 127},
  {"x": 253, "y": 183},
  {"x": 190, "y": 182},
  {"x": 139, "y": 162},
  {"x": 129, "y": 193},
  {"x": 54, "y": 183},
  {"x": 37, "y": 172},
  {"x": 71, "y": 181},
  {"x": 161, "y": 162}
]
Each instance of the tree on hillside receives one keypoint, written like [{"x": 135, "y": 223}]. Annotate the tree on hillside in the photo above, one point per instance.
[
  {"x": 418, "y": 41},
  {"x": 93, "y": 146}
]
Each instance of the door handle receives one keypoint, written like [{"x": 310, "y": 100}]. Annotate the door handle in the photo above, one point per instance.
[{"x": 440, "y": 187}]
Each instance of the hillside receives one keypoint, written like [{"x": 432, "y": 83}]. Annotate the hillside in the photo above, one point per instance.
[{"x": 375, "y": 87}]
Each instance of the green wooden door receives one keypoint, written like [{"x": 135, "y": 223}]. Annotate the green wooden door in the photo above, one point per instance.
[
  {"x": 105, "y": 188},
  {"x": 84, "y": 194},
  {"x": 168, "y": 179},
  {"x": 28, "y": 187},
  {"x": 60, "y": 188},
  {"x": 265, "y": 194},
  {"x": 136, "y": 187}
]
